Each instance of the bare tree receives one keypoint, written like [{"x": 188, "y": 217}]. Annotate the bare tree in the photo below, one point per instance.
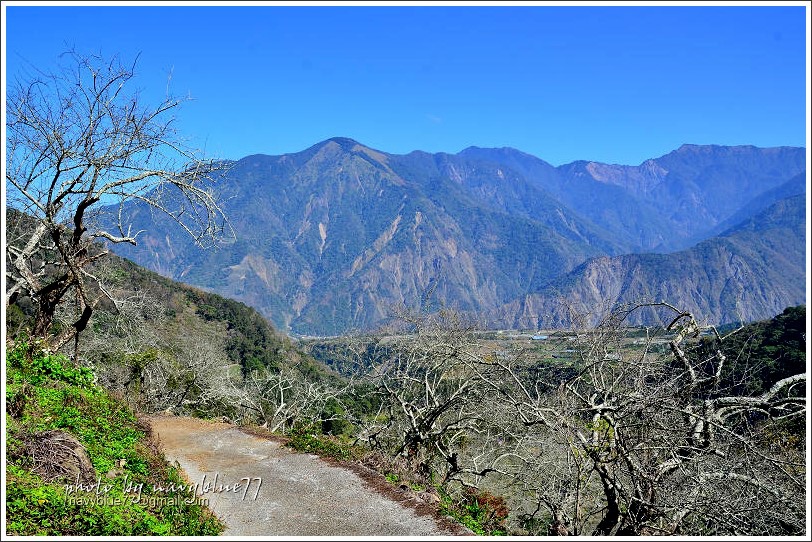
[
  {"x": 282, "y": 398},
  {"x": 133, "y": 352},
  {"x": 601, "y": 430},
  {"x": 81, "y": 150},
  {"x": 645, "y": 442},
  {"x": 437, "y": 412}
]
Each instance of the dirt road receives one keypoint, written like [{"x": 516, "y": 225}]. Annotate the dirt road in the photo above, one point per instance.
[{"x": 259, "y": 488}]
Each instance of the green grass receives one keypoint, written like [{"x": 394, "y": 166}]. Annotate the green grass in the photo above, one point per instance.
[
  {"x": 480, "y": 511},
  {"x": 44, "y": 392}
]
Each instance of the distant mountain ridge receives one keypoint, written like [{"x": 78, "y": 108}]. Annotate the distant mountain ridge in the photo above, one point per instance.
[
  {"x": 331, "y": 238},
  {"x": 667, "y": 203},
  {"x": 755, "y": 268}
]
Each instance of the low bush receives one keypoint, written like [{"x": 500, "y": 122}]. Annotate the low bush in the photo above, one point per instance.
[{"x": 310, "y": 440}]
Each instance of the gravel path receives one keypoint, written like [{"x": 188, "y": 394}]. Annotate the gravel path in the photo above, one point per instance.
[{"x": 299, "y": 494}]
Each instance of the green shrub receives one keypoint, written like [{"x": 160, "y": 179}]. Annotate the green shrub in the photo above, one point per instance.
[
  {"x": 480, "y": 511},
  {"x": 308, "y": 439}
]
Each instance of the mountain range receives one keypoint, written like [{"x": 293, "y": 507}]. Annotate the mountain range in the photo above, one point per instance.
[{"x": 331, "y": 239}]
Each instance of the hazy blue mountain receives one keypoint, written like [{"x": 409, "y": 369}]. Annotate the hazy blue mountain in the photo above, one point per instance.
[
  {"x": 619, "y": 214},
  {"x": 753, "y": 269},
  {"x": 499, "y": 187},
  {"x": 667, "y": 203},
  {"x": 793, "y": 187},
  {"x": 707, "y": 184},
  {"x": 332, "y": 238}
]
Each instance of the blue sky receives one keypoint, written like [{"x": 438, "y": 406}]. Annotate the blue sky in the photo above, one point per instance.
[{"x": 609, "y": 83}]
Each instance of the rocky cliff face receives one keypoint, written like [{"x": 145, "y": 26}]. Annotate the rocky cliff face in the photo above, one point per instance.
[{"x": 332, "y": 238}]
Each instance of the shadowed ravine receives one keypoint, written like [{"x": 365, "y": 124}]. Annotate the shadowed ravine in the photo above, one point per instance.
[{"x": 299, "y": 494}]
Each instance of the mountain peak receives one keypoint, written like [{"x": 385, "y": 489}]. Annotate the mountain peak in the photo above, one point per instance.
[
  {"x": 345, "y": 143},
  {"x": 691, "y": 148},
  {"x": 349, "y": 145},
  {"x": 496, "y": 151},
  {"x": 339, "y": 146}
]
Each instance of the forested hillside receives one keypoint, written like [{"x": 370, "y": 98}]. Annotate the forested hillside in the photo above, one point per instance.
[
  {"x": 168, "y": 345},
  {"x": 76, "y": 418}
]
